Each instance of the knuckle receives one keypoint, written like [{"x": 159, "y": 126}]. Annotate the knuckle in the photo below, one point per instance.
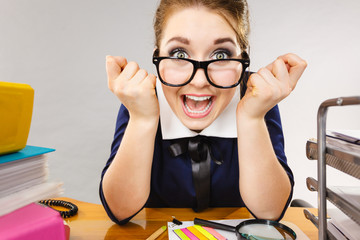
[
  {"x": 143, "y": 73},
  {"x": 304, "y": 63},
  {"x": 118, "y": 91},
  {"x": 152, "y": 76},
  {"x": 288, "y": 55},
  {"x": 263, "y": 70},
  {"x": 278, "y": 61},
  {"x": 254, "y": 76},
  {"x": 133, "y": 65}
]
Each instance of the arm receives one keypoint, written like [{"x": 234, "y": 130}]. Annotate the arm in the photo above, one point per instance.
[
  {"x": 264, "y": 184},
  {"x": 126, "y": 183}
]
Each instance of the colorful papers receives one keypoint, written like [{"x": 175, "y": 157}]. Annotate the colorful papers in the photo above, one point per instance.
[
  {"x": 184, "y": 231},
  {"x": 189, "y": 231},
  {"x": 198, "y": 232}
]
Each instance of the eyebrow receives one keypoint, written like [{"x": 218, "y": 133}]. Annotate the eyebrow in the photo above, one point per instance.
[
  {"x": 187, "y": 41},
  {"x": 179, "y": 39},
  {"x": 223, "y": 40}
]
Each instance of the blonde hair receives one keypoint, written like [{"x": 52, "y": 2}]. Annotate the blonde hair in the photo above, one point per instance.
[{"x": 235, "y": 12}]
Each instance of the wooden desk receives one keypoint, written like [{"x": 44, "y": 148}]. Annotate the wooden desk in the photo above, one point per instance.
[{"x": 92, "y": 222}]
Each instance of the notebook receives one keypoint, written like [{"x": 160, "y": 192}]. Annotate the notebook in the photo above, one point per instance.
[{"x": 33, "y": 222}]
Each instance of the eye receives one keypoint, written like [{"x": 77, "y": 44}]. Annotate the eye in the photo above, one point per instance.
[
  {"x": 178, "y": 53},
  {"x": 222, "y": 54}
]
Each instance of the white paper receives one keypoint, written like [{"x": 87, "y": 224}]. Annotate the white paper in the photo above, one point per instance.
[
  {"x": 346, "y": 133},
  {"x": 349, "y": 193},
  {"x": 345, "y": 224},
  {"x": 335, "y": 231},
  {"x": 29, "y": 195}
]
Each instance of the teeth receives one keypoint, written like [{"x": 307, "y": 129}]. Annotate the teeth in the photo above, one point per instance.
[
  {"x": 198, "y": 99},
  {"x": 198, "y": 112},
  {"x": 195, "y": 98}
]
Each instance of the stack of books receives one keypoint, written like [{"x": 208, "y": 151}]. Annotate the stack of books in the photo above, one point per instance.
[{"x": 24, "y": 182}]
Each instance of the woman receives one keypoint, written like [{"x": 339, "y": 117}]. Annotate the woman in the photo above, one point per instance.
[{"x": 201, "y": 56}]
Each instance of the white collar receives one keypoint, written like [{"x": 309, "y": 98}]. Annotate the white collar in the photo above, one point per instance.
[{"x": 172, "y": 127}]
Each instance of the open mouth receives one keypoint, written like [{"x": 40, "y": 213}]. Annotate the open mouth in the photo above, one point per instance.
[{"x": 197, "y": 106}]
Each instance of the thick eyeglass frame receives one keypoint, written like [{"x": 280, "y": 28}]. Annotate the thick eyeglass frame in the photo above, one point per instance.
[{"x": 200, "y": 64}]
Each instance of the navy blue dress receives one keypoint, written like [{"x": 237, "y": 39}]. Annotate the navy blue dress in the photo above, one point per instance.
[{"x": 171, "y": 177}]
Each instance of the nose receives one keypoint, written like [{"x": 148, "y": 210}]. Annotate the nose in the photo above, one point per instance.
[{"x": 199, "y": 80}]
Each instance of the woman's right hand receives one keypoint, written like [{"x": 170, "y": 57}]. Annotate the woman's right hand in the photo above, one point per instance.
[{"x": 133, "y": 86}]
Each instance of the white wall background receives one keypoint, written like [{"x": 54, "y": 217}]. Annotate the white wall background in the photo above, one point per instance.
[{"x": 59, "y": 48}]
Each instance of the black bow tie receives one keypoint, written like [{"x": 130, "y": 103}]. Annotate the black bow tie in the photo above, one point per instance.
[{"x": 199, "y": 149}]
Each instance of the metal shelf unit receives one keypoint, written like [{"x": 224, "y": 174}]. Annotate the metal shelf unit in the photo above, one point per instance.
[{"x": 344, "y": 157}]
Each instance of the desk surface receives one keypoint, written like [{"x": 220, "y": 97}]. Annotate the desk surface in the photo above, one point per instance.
[{"x": 92, "y": 222}]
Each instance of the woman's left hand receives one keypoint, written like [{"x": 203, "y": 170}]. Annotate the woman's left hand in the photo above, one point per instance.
[{"x": 271, "y": 84}]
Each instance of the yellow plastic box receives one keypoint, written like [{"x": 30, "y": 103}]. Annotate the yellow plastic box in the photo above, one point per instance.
[{"x": 16, "y": 107}]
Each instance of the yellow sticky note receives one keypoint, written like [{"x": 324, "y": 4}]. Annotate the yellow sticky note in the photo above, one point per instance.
[
  {"x": 196, "y": 232},
  {"x": 181, "y": 234},
  {"x": 204, "y": 232}
]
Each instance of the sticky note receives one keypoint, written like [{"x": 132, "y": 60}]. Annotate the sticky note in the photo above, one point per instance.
[
  {"x": 204, "y": 232},
  {"x": 196, "y": 232},
  {"x": 215, "y": 233},
  {"x": 181, "y": 234},
  {"x": 188, "y": 233}
]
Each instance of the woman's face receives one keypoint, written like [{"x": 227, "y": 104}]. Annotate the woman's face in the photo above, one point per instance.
[{"x": 198, "y": 34}]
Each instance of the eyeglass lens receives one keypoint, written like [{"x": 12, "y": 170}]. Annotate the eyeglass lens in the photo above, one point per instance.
[{"x": 222, "y": 73}]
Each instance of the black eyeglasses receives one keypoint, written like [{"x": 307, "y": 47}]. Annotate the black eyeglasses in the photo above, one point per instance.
[{"x": 220, "y": 73}]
